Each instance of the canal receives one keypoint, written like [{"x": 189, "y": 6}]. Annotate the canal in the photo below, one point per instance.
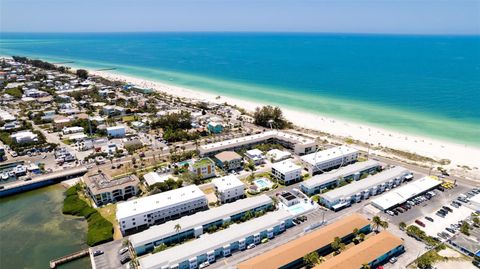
[{"x": 34, "y": 231}]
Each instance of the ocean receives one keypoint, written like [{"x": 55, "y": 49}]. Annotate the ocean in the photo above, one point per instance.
[{"x": 424, "y": 85}]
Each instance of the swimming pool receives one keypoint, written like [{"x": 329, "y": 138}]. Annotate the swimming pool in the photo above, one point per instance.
[
  {"x": 263, "y": 183},
  {"x": 300, "y": 208}
]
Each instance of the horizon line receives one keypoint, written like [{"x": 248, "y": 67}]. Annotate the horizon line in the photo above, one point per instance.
[{"x": 243, "y": 32}]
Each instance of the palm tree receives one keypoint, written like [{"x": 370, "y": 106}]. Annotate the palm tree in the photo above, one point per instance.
[
  {"x": 337, "y": 245},
  {"x": 177, "y": 229},
  {"x": 384, "y": 225},
  {"x": 275, "y": 202},
  {"x": 361, "y": 237},
  {"x": 355, "y": 232},
  {"x": 366, "y": 266},
  {"x": 376, "y": 223},
  {"x": 311, "y": 259}
]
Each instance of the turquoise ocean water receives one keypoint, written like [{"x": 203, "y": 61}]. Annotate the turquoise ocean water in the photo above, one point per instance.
[{"x": 427, "y": 85}]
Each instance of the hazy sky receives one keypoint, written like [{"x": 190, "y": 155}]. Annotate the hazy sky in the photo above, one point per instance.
[{"x": 358, "y": 16}]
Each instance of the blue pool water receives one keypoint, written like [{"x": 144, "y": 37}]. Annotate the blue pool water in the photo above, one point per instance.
[
  {"x": 298, "y": 208},
  {"x": 263, "y": 183}
]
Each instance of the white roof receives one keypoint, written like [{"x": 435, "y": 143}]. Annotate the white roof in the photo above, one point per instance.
[
  {"x": 286, "y": 166},
  {"x": 186, "y": 223},
  {"x": 475, "y": 201},
  {"x": 119, "y": 127},
  {"x": 5, "y": 116},
  {"x": 227, "y": 183},
  {"x": 402, "y": 194},
  {"x": 73, "y": 128},
  {"x": 328, "y": 155},
  {"x": 334, "y": 175},
  {"x": 158, "y": 201},
  {"x": 77, "y": 136},
  {"x": 153, "y": 177},
  {"x": 23, "y": 134},
  {"x": 366, "y": 183},
  {"x": 209, "y": 242},
  {"x": 256, "y": 138},
  {"x": 254, "y": 152}
]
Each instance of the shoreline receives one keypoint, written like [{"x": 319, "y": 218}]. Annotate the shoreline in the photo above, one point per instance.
[{"x": 430, "y": 147}]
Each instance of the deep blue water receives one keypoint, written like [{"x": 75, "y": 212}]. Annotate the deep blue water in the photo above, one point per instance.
[{"x": 419, "y": 84}]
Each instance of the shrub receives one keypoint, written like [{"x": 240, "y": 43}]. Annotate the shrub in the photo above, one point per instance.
[{"x": 100, "y": 230}]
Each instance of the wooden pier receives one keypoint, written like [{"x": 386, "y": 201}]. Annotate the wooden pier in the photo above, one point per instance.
[{"x": 76, "y": 255}]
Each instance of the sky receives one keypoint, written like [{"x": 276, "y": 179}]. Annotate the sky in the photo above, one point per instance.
[{"x": 339, "y": 16}]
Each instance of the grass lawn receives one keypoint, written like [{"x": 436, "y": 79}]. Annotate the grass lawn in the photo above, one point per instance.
[
  {"x": 128, "y": 118},
  {"x": 108, "y": 212}
]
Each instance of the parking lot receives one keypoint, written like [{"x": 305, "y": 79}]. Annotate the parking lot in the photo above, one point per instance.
[
  {"x": 439, "y": 224},
  {"x": 429, "y": 206},
  {"x": 110, "y": 259}
]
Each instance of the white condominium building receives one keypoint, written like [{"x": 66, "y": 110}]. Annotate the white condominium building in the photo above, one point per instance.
[
  {"x": 229, "y": 188},
  {"x": 328, "y": 159},
  {"x": 286, "y": 172},
  {"x": 299, "y": 144},
  {"x": 141, "y": 213}
]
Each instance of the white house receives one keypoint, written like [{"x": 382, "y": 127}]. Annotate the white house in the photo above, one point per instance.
[
  {"x": 287, "y": 172},
  {"x": 229, "y": 188},
  {"x": 255, "y": 155},
  {"x": 116, "y": 131},
  {"x": 276, "y": 155},
  {"x": 24, "y": 137},
  {"x": 139, "y": 214},
  {"x": 72, "y": 130}
]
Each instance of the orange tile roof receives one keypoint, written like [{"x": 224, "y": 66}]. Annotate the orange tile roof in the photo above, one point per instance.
[
  {"x": 364, "y": 252},
  {"x": 297, "y": 248}
]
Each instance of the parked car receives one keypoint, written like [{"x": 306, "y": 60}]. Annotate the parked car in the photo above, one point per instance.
[
  {"x": 251, "y": 246},
  {"x": 450, "y": 230},
  {"x": 429, "y": 219},
  {"x": 97, "y": 253},
  {"x": 204, "y": 264},
  {"x": 447, "y": 208},
  {"x": 125, "y": 258},
  {"x": 390, "y": 213},
  {"x": 440, "y": 214},
  {"x": 393, "y": 260},
  {"x": 419, "y": 222},
  {"x": 123, "y": 250}
]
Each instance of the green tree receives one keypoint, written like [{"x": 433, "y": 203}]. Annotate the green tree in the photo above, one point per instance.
[
  {"x": 159, "y": 248},
  {"x": 366, "y": 266},
  {"x": 82, "y": 73},
  {"x": 465, "y": 228},
  {"x": 270, "y": 117},
  {"x": 177, "y": 227},
  {"x": 311, "y": 259},
  {"x": 402, "y": 225},
  {"x": 337, "y": 245},
  {"x": 426, "y": 260},
  {"x": 376, "y": 222},
  {"x": 384, "y": 225},
  {"x": 476, "y": 220}
]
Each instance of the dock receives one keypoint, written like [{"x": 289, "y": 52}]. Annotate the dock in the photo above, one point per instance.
[{"x": 76, "y": 255}]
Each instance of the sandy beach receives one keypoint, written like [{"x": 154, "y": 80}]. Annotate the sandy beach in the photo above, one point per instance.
[{"x": 458, "y": 154}]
